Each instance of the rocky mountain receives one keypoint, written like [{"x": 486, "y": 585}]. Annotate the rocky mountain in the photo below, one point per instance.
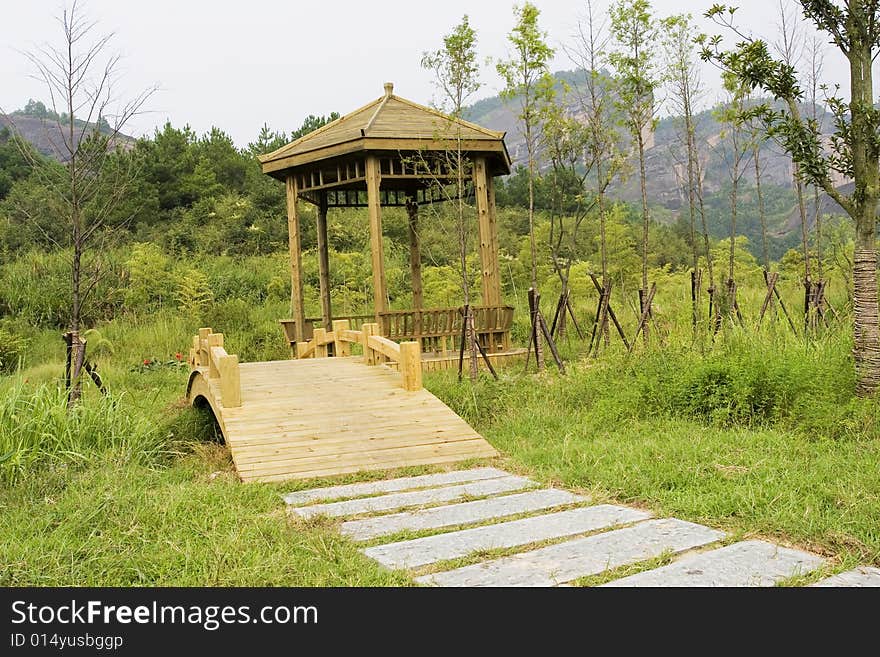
[
  {"x": 44, "y": 132},
  {"x": 666, "y": 168}
]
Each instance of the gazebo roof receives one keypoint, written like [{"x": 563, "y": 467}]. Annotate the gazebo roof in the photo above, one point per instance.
[{"x": 390, "y": 124}]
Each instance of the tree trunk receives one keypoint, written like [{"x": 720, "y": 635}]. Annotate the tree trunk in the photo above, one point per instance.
[
  {"x": 762, "y": 210},
  {"x": 866, "y": 168},
  {"x": 866, "y": 347},
  {"x": 643, "y": 179}
]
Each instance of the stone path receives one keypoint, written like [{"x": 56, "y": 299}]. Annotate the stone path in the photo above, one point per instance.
[{"x": 542, "y": 536}]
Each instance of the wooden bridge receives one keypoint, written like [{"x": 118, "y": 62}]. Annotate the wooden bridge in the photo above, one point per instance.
[{"x": 319, "y": 416}]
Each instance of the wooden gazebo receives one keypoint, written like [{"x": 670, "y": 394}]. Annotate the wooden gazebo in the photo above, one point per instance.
[{"x": 393, "y": 152}]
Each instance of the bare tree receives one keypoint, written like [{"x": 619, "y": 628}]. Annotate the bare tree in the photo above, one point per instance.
[
  {"x": 682, "y": 75},
  {"x": 790, "y": 48},
  {"x": 81, "y": 76},
  {"x": 816, "y": 63},
  {"x": 635, "y": 32},
  {"x": 601, "y": 141},
  {"x": 527, "y": 78},
  {"x": 738, "y": 151}
]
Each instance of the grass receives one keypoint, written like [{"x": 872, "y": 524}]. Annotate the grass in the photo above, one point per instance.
[
  {"x": 757, "y": 434},
  {"x": 188, "y": 524},
  {"x": 806, "y": 476}
]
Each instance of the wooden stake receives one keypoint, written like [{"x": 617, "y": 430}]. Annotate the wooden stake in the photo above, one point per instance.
[
  {"x": 611, "y": 313},
  {"x": 646, "y": 313},
  {"x": 551, "y": 343}
]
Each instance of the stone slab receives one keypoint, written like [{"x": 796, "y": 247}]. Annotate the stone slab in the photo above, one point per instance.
[
  {"x": 391, "y": 485},
  {"x": 565, "y": 562},
  {"x": 864, "y": 576},
  {"x": 458, "y": 514},
  {"x": 396, "y": 501},
  {"x": 749, "y": 563},
  {"x": 430, "y": 549}
]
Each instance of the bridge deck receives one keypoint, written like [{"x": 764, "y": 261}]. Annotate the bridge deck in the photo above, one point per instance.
[{"x": 328, "y": 416}]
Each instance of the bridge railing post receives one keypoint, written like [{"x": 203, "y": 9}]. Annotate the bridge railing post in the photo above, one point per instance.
[
  {"x": 230, "y": 381},
  {"x": 214, "y": 340},
  {"x": 202, "y": 356},
  {"x": 370, "y": 355},
  {"x": 411, "y": 365},
  {"x": 342, "y": 348},
  {"x": 319, "y": 335}
]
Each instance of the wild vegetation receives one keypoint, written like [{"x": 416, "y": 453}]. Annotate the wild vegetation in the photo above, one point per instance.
[{"x": 753, "y": 427}]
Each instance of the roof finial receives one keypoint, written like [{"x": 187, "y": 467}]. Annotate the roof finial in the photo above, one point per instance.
[{"x": 389, "y": 88}]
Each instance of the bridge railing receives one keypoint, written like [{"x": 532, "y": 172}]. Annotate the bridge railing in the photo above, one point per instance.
[
  {"x": 208, "y": 351},
  {"x": 376, "y": 348}
]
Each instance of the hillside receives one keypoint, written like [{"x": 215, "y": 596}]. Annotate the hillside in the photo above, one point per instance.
[
  {"x": 666, "y": 169},
  {"x": 45, "y": 133}
]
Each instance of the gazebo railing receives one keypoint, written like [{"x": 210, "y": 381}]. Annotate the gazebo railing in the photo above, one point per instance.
[{"x": 437, "y": 329}]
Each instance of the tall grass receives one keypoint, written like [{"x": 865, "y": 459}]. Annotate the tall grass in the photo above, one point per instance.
[{"x": 37, "y": 430}]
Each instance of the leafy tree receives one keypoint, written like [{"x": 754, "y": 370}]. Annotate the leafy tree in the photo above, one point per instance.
[
  {"x": 312, "y": 123},
  {"x": 855, "y": 145},
  {"x": 15, "y": 157},
  {"x": 527, "y": 78},
  {"x": 683, "y": 79},
  {"x": 267, "y": 141},
  {"x": 456, "y": 74}
]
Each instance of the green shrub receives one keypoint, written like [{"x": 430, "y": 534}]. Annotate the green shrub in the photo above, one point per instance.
[
  {"x": 194, "y": 293},
  {"x": 12, "y": 349},
  {"x": 150, "y": 276},
  {"x": 36, "y": 288}
]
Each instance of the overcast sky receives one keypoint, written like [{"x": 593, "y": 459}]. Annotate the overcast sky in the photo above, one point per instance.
[{"x": 239, "y": 64}]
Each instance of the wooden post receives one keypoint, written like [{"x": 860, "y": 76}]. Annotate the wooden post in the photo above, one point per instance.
[
  {"x": 484, "y": 191},
  {"x": 324, "y": 261},
  {"x": 297, "y": 307},
  {"x": 301, "y": 348},
  {"x": 369, "y": 329},
  {"x": 230, "y": 381},
  {"x": 214, "y": 340},
  {"x": 374, "y": 204},
  {"x": 342, "y": 348},
  {"x": 415, "y": 262},
  {"x": 201, "y": 357},
  {"x": 411, "y": 365},
  {"x": 320, "y": 348}
]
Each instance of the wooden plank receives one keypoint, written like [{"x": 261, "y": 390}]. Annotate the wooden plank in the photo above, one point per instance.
[
  {"x": 388, "y": 458},
  {"x": 345, "y": 429},
  {"x": 317, "y": 435},
  {"x": 353, "y": 336},
  {"x": 253, "y": 458},
  {"x": 440, "y": 459},
  {"x": 283, "y": 430},
  {"x": 386, "y": 347}
]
